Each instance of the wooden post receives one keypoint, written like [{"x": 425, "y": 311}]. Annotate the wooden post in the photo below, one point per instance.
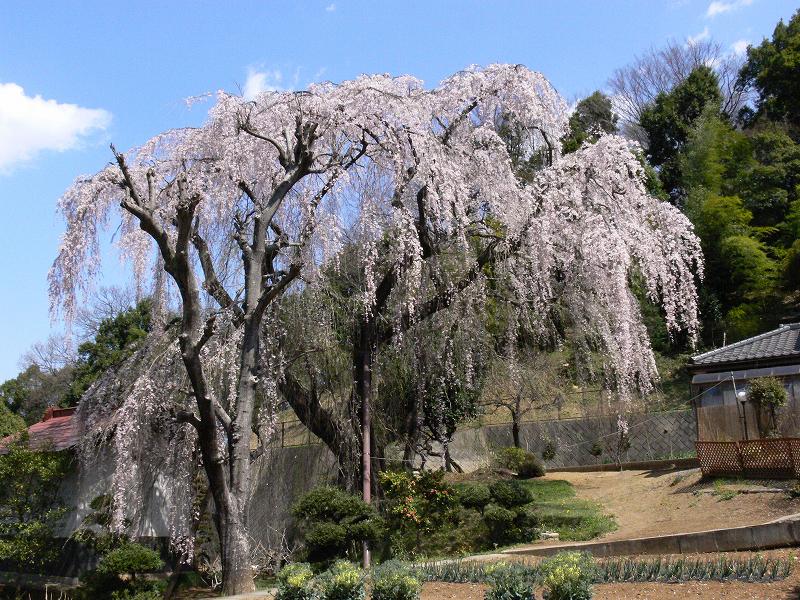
[{"x": 366, "y": 465}]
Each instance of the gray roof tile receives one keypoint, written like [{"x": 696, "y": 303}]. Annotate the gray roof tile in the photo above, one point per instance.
[{"x": 779, "y": 343}]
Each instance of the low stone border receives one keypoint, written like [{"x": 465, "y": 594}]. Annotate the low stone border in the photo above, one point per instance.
[
  {"x": 782, "y": 533},
  {"x": 642, "y": 465}
]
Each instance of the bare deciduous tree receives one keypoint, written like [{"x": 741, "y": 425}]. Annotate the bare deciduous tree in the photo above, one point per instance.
[
  {"x": 522, "y": 384},
  {"x": 659, "y": 70}
]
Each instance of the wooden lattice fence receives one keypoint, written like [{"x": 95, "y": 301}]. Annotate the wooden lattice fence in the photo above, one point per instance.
[{"x": 766, "y": 458}]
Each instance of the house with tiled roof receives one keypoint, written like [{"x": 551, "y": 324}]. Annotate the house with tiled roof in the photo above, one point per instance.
[{"x": 720, "y": 381}]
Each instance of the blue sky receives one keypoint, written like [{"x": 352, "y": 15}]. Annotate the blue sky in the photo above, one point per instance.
[{"x": 76, "y": 75}]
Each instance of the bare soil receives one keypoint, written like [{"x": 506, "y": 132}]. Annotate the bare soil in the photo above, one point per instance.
[{"x": 647, "y": 503}]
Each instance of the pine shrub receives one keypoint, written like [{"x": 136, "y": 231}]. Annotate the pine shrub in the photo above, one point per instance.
[
  {"x": 475, "y": 496},
  {"x": 510, "y": 493}
]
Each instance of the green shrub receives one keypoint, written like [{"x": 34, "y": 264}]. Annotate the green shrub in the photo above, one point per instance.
[
  {"x": 150, "y": 590},
  {"x": 549, "y": 451},
  {"x": 510, "y": 493},
  {"x": 394, "y": 580},
  {"x": 417, "y": 507},
  {"x": 510, "y": 526},
  {"x": 500, "y": 521},
  {"x": 510, "y": 458},
  {"x": 325, "y": 541},
  {"x": 509, "y": 582},
  {"x": 130, "y": 559},
  {"x": 567, "y": 576},
  {"x": 343, "y": 581},
  {"x": 596, "y": 449},
  {"x": 30, "y": 505},
  {"x": 531, "y": 467},
  {"x": 526, "y": 519},
  {"x": 474, "y": 495},
  {"x": 525, "y": 464},
  {"x": 767, "y": 392},
  {"x": 295, "y": 582},
  {"x": 334, "y": 524}
]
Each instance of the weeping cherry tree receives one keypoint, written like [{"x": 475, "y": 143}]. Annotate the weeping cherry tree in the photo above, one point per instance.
[{"x": 257, "y": 206}]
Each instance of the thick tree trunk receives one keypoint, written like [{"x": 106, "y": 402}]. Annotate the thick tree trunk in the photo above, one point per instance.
[{"x": 237, "y": 570}]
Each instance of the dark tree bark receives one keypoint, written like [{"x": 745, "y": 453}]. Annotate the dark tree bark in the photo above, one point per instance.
[{"x": 229, "y": 480}]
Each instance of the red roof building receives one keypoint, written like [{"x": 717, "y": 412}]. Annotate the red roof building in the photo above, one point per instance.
[{"x": 56, "y": 431}]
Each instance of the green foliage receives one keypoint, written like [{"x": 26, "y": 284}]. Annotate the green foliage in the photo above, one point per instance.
[
  {"x": 593, "y": 117},
  {"x": 567, "y": 576},
  {"x": 525, "y": 464},
  {"x": 509, "y": 582},
  {"x": 510, "y": 525},
  {"x": 394, "y": 580},
  {"x": 116, "y": 574},
  {"x": 752, "y": 272},
  {"x": 791, "y": 267},
  {"x": 767, "y": 392},
  {"x": 295, "y": 582},
  {"x": 335, "y": 523},
  {"x": 416, "y": 506},
  {"x": 142, "y": 591},
  {"x": 115, "y": 341},
  {"x": 723, "y": 568},
  {"x": 549, "y": 451},
  {"x": 31, "y": 392},
  {"x": 559, "y": 510},
  {"x": 753, "y": 568},
  {"x": 130, "y": 559},
  {"x": 30, "y": 505},
  {"x": 9, "y": 422},
  {"x": 532, "y": 467},
  {"x": 343, "y": 581},
  {"x": 500, "y": 521},
  {"x": 510, "y": 458},
  {"x": 510, "y": 493},
  {"x": 669, "y": 119},
  {"x": 768, "y": 178},
  {"x": 474, "y": 495},
  {"x": 772, "y": 69}
]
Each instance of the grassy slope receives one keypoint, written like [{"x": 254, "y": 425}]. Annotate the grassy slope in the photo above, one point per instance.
[
  {"x": 575, "y": 519},
  {"x": 557, "y": 505}
]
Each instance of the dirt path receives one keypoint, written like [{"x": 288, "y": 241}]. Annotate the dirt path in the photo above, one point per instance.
[{"x": 646, "y": 503}]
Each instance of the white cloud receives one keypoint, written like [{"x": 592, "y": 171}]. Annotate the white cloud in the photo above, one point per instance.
[
  {"x": 720, "y": 6},
  {"x": 330, "y": 8},
  {"x": 269, "y": 80},
  {"x": 739, "y": 47},
  {"x": 703, "y": 35},
  {"x": 30, "y": 125},
  {"x": 262, "y": 81}
]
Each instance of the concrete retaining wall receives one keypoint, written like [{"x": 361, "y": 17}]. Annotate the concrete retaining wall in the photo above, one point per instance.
[{"x": 778, "y": 534}]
